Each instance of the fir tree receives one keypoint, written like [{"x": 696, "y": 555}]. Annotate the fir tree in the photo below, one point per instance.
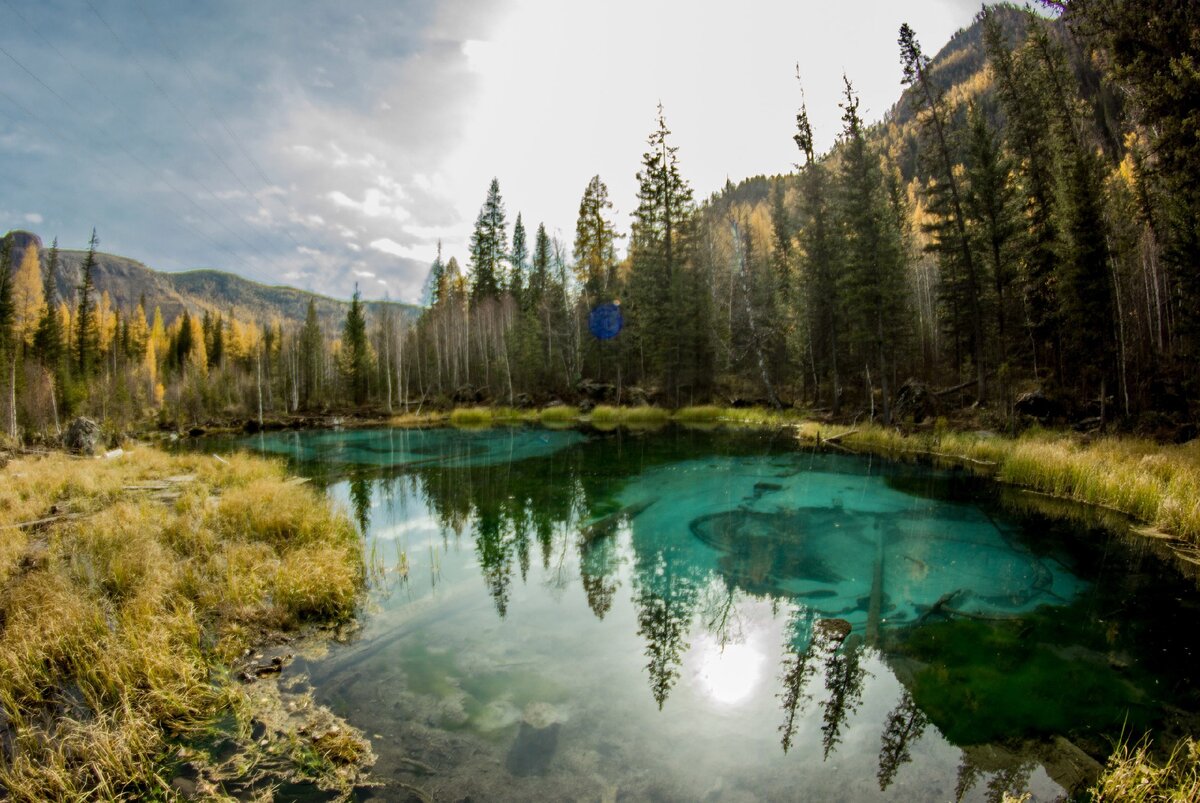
[
  {"x": 356, "y": 358},
  {"x": 595, "y": 244},
  {"x": 312, "y": 346},
  {"x": 518, "y": 259},
  {"x": 874, "y": 275},
  {"x": 489, "y": 247},
  {"x": 87, "y": 335}
]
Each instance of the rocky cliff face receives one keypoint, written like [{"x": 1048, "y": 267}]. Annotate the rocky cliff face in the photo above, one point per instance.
[{"x": 21, "y": 242}]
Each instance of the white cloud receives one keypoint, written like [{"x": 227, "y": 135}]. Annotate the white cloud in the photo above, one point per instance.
[
  {"x": 34, "y": 218},
  {"x": 387, "y": 245}
]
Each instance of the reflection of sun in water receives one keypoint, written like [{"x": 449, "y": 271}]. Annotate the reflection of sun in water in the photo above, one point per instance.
[{"x": 728, "y": 675}]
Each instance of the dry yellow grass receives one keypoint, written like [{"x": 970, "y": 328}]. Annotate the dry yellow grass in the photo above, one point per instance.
[
  {"x": 1155, "y": 483},
  {"x": 1132, "y": 774},
  {"x": 120, "y": 611}
]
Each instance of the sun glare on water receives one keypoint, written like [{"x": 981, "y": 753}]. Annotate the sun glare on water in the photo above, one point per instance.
[{"x": 728, "y": 674}]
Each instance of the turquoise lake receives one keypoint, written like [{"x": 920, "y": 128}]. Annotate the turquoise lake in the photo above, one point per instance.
[{"x": 709, "y": 615}]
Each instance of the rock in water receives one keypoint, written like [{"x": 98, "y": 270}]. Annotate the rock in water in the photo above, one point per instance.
[
  {"x": 533, "y": 750},
  {"x": 82, "y": 436}
]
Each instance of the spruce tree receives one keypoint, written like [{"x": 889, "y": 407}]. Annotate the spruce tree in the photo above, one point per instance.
[
  {"x": 595, "y": 244},
  {"x": 489, "y": 247},
  {"x": 518, "y": 259},
  {"x": 993, "y": 215},
  {"x": 874, "y": 267},
  {"x": 312, "y": 347},
  {"x": 48, "y": 340},
  {"x": 356, "y": 358},
  {"x": 667, "y": 305},
  {"x": 87, "y": 335},
  {"x": 950, "y": 240},
  {"x": 820, "y": 273}
]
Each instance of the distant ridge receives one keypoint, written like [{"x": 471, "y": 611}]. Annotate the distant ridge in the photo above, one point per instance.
[{"x": 127, "y": 281}]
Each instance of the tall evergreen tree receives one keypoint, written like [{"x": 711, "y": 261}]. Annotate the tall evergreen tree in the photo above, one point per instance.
[
  {"x": 356, "y": 357},
  {"x": 1027, "y": 124},
  {"x": 667, "y": 303},
  {"x": 992, "y": 212},
  {"x": 312, "y": 349},
  {"x": 518, "y": 261},
  {"x": 950, "y": 239},
  {"x": 48, "y": 340},
  {"x": 489, "y": 247},
  {"x": 87, "y": 335},
  {"x": 874, "y": 266},
  {"x": 822, "y": 290},
  {"x": 595, "y": 244}
]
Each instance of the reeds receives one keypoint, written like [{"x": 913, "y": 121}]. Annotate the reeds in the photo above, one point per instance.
[
  {"x": 471, "y": 417},
  {"x": 145, "y": 576},
  {"x": 605, "y": 416},
  {"x": 559, "y": 414},
  {"x": 1132, "y": 774}
]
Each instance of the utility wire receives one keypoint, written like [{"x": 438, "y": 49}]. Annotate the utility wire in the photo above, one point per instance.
[
  {"x": 178, "y": 109},
  {"x": 37, "y": 118},
  {"x": 160, "y": 175}
]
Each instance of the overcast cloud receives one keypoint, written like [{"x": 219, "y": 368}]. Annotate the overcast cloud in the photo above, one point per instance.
[{"x": 302, "y": 143}]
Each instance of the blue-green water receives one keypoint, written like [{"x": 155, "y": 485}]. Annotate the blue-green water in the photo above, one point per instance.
[{"x": 660, "y": 616}]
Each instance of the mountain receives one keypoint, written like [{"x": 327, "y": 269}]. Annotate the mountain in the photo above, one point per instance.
[{"x": 127, "y": 281}]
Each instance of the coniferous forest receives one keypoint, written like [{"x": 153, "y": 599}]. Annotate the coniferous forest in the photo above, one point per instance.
[{"x": 1018, "y": 236}]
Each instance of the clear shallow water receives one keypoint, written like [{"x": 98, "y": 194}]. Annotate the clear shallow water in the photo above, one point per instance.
[{"x": 589, "y": 616}]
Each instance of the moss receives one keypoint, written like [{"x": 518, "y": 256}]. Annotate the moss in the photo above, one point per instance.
[{"x": 987, "y": 682}]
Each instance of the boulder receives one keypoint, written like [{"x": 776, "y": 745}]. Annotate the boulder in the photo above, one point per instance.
[
  {"x": 82, "y": 436},
  {"x": 468, "y": 394},
  {"x": 597, "y": 392},
  {"x": 915, "y": 402},
  {"x": 586, "y": 406},
  {"x": 1036, "y": 404}
]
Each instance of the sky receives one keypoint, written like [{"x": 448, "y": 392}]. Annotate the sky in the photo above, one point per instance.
[{"x": 324, "y": 145}]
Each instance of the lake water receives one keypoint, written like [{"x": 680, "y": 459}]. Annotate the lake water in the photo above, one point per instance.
[{"x": 691, "y": 615}]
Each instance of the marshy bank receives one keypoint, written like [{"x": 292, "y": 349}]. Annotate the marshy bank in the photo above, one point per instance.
[{"x": 133, "y": 592}]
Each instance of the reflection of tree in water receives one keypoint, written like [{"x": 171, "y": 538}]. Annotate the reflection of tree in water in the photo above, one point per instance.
[
  {"x": 903, "y": 728},
  {"x": 1009, "y": 779},
  {"x": 799, "y": 665},
  {"x": 597, "y": 570},
  {"x": 360, "y": 500},
  {"x": 844, "y": 676},
  {"x": 665, "y": 599}
]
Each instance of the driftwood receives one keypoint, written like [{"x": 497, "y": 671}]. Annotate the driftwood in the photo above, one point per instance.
[{"x": 41, "y": 522}]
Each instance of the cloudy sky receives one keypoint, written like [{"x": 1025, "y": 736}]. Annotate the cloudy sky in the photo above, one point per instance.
[{"x": 321, "y": 144}]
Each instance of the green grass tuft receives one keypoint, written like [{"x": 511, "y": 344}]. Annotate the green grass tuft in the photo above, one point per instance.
[{"x": 471, "y": 417}]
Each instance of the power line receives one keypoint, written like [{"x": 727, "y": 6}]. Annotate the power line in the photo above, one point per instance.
[
  {"x": 156, "y": 174},
  {"x": 37, "y": 118},
  {"x": 178, "y": 109}
]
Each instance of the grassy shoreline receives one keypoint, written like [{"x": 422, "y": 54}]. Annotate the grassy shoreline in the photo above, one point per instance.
[
  {"x": 1156, "y": 484},
  {"x": 129, "y": 590}
]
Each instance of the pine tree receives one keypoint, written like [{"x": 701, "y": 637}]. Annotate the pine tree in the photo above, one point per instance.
[
  {"x": 1026, "y": 129},
  {"x": 518, "y": 260},
  {"x": 992, "y": 212},
  {"x": 312, "y": 348},
  {"x": 87, "y": 333},
  {"x": 356, "y": 358},
  {"x": 489, "y": 247},
  {"x": 667, "y": 304},
  {"x": 950, "y": 240},
  {"x": 874, "y": 275},
  {"x": 822, "y": 290},
  {"x": 595, "y": 244},
  {"x": 48, "y": 340}
]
